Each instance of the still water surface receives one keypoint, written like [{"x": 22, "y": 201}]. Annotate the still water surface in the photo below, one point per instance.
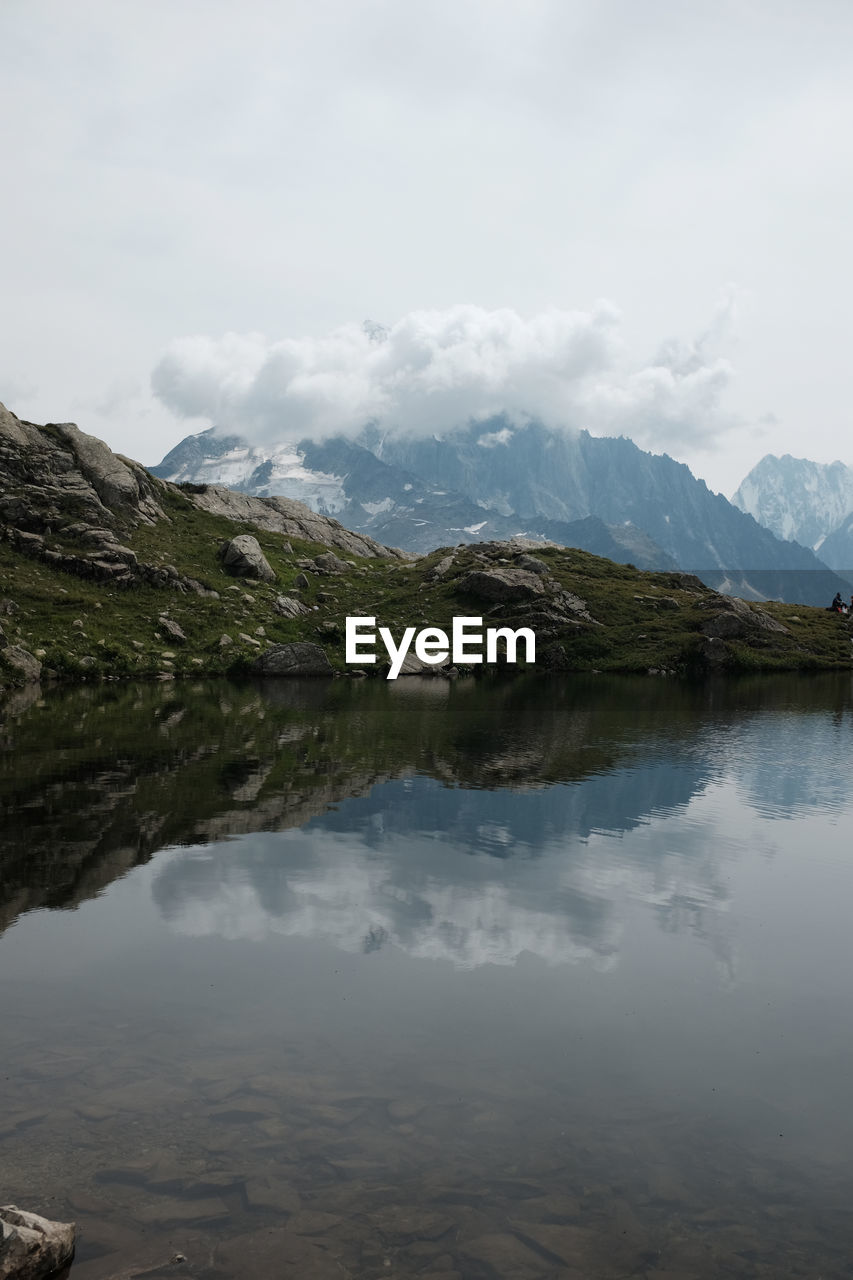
[{"x": 525, "y": 979}]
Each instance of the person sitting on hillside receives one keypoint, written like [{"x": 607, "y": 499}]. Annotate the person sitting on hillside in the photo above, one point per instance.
[{"x": 835, "y": 607}]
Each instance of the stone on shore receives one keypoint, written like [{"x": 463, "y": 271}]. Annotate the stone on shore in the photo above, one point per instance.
[
  {"x": 23, "y": 663},
  {"x": 32, "y": 1247},
  {"x": 297, "y": 659}
]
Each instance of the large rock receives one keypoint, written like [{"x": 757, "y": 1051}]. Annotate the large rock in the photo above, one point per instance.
[
  {"x": 330, "y": 563},
  {"x": 735, "y": 620},
  {"x": 412, "y": 666},
  {"x": 297, "y": 659},
  {"x": 243, "y": 556},
  {"x": 502, "y": 583},
  {"x": 532, "y": 564},
  {"x": 172, "y": 629},
  {"x": 31, "y": 1247},
  {"x": 24, "y": 664},
  {"x": 288, "y": 607}
]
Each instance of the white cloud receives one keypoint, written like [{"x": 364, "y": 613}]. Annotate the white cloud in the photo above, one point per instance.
[
  {"x": 437, "y": 369},
  {"x": 489, "y": 439}
]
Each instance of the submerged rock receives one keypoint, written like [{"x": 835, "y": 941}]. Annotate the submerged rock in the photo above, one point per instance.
[{"x": 31, "y": 1247}]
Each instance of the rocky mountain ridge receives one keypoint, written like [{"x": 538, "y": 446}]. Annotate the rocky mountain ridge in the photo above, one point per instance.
[
  {"x": 344, "y": 478},
  {"x": 494, "y": 480},
  {"x": 68, "y": 499}
]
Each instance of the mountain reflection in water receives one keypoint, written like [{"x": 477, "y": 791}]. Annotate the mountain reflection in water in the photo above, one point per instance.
[
  {"x": 95, "y": 781},
  {"x": 530, "y": 959}
]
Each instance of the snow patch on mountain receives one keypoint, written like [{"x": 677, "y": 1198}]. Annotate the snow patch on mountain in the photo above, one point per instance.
[{"x": 278, "y": 470}]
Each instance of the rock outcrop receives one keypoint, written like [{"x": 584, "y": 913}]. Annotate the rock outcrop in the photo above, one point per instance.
[
  {"x": 58, "y": 482},
  {"x": 32, "y": 1247},
  {"x": 57, "y": 474},
  {"x": 292, "y": 518}
]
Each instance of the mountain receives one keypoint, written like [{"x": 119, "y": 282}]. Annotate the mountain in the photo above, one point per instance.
[
  {"x": 799, "y": 499},
  {"x": 493, "y": 480},
  {"x": 537, "y": 473},
  {"x": 280, "y": 470},
  {"x": 837, "y": 549},
  {"x": 384, "y": 500}
]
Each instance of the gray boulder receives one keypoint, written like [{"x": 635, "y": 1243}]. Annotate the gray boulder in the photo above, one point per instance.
[
  {"x": 22, "y": 663},
  {"x": 532, "y": 564},
  {"x": 172, "y": 629},
  {"x": 571, "y": 606},
  {"x": 330, "y": 563},
  {"x": 243, "y": 557},
  {"x": 502, "y": 583},
  {"x": 32, "y": 1247},
  {"x": 735, "y": 619},
  {"x": 288, "y": 607},
  {"x": 439, "y": 570},
  {"x": 297, "y": 659},
  {"x": 412, "y": 666}
]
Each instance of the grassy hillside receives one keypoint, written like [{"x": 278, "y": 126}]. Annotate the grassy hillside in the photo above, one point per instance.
[{"x": 81, "y": 628}]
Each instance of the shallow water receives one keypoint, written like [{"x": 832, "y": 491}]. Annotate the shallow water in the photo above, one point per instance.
[{"x": 516, "y": 979}]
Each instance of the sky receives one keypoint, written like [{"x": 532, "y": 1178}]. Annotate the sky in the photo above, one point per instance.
[{"x": 292, "y": 217}]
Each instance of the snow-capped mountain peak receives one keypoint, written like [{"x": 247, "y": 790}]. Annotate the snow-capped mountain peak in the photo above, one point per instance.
[{"x": 796, "y": 498}]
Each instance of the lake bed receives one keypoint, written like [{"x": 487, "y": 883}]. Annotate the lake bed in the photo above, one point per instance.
[{"x": 492, "y": 978}]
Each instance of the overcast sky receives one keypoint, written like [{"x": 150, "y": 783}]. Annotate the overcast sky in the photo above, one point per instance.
[{"x": 631, "y": 215}]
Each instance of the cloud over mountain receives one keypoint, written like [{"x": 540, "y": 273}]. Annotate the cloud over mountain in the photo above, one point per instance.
[{"x": 434, "y": 370}]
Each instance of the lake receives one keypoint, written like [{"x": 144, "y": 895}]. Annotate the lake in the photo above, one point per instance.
[{"x": 504, "y": 978}]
